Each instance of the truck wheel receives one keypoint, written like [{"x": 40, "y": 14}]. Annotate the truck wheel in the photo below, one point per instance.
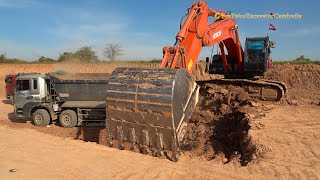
[
  {"x": 41, "y": 118},
  {"x": 68, "y": 118}
]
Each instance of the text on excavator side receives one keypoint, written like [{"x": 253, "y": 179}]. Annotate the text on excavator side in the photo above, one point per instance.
[{"x": 217, "y": 34}]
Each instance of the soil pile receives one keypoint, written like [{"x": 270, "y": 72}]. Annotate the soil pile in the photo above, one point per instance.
[
  {"x": 200, "y": 72},
  {"x": 303, "y": 81},
  {"x": 220, "y": 125}
]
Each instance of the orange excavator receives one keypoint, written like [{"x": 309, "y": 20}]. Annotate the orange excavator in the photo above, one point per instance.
[{"x": 148, "y": 108}]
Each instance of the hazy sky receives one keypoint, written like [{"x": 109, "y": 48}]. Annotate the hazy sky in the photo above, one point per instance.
[{"x": 33, "y": 28}]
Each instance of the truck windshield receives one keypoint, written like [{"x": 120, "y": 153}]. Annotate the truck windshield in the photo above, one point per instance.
[
  {"x": 23, "y": 85},
  {"x": 256, "y": 45}
]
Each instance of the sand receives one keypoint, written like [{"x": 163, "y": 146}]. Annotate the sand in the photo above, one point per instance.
[
  {"x": 286, "y": 136},
  {"x": 291, "y": 135}
]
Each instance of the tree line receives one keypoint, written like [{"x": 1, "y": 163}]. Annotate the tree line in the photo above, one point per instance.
[{"x": 84, "y": 54}]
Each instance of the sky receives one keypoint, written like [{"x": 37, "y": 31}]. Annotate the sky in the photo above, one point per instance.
[{"x": 34, "y": 28}]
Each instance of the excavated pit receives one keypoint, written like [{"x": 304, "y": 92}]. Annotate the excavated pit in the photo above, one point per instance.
[
  {"x": 219, "y": 127},
  {"x": 230, "y": 136}
]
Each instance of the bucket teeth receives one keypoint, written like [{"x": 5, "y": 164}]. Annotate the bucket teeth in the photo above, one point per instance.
[
  {"x": 134, "y": 141},
  {"x": 146, "y": 141},
  {"x": 109, "y": 136},
  {"x": 147, "y": 109},
  {"x": 159, "y": 141},
  {"x": 120, "y": 136},
  {"x": 159, "y": 145}
]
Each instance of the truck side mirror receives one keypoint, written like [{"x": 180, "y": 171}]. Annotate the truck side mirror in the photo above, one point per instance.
[{"x": 272, "y": 44}]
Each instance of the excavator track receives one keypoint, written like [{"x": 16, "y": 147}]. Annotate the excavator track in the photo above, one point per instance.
[
  {"x": 283, "y": 85},
  {"x": 267, "y": 90},
  {"x": 147, "y": 109}
]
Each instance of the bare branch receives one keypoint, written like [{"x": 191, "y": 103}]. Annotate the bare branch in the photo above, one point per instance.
[{"x": 112, "y": 51}]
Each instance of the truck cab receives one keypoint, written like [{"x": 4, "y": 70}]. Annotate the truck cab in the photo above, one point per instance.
[{"x": 30, "y": 91}]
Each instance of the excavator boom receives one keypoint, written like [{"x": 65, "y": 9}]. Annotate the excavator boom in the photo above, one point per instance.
[{"x": 196, "y": 32}]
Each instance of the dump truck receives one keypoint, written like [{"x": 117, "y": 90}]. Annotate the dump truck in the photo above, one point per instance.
[{"x": 72, "y": 99}]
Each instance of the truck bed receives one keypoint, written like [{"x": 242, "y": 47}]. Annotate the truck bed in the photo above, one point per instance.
[{"x": 80, "y": 87}]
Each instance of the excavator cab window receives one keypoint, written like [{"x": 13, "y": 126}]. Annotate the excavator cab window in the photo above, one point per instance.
[
  {"x": 256, "y": 45},
  {"x": 256, "y": 55},
  {"x": 256, "y": 50}
]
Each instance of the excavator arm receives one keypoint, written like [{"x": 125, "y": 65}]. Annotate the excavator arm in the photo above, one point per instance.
[{"x": 196, "y": 32}]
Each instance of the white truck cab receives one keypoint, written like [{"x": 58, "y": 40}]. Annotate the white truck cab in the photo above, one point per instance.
[{"x": 29, "y": 88}]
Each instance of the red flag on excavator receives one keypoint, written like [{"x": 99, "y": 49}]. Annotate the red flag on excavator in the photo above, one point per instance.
[{"x": 272, "y": 27}]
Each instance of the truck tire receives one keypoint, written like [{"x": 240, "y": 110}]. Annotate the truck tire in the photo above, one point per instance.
[
  {"x": 68, "y": 118},
  {"x": 41, "y": 118}
]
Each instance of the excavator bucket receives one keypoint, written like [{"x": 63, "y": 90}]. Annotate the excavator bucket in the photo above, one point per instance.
[{"x": 147, "y": 109}]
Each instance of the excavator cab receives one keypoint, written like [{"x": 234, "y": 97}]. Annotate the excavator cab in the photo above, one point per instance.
[{"x": 256, "y": 58}]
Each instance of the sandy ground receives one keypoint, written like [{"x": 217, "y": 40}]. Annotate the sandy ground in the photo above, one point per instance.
[
  {"x": 287, "y": 132},
  {"x": 290, "y": 133}
]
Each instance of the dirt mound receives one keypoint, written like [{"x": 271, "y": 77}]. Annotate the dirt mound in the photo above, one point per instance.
[
  {"x": 200, "y": 72},
  {"x": 220, "y": 125},
  {"x": 303, "y": 81}
]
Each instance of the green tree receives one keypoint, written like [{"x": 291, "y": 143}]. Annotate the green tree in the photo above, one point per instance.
[
  {"x": 86, "y": 54},
  {"x": 302, "y": 58},
  {"x": 45, "y": 59},
  {"x": 66, "y": 56}
]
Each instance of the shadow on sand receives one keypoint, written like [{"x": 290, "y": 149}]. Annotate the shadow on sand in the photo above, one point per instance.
[{"x": 7, "y": 101}]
